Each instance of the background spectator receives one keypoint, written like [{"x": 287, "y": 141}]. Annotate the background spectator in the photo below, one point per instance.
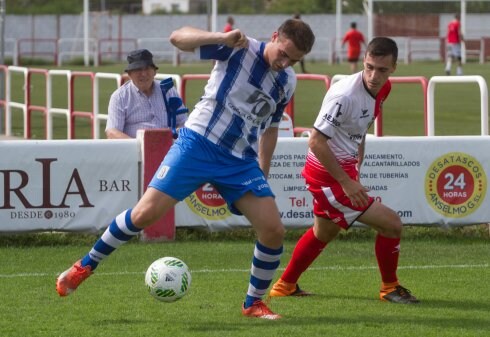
[
  {"x": 229, "y": 24},
  {"x": 139, "y": 103},
  {"x": 354, "y": 38},
  {"x": 454, "y": 39}
]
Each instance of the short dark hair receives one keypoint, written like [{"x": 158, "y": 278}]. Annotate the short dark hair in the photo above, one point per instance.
[
  {"x": 383, "y": 46},
  {"x": 353, "y": 25},
  {"x": 299, "y": 32}
]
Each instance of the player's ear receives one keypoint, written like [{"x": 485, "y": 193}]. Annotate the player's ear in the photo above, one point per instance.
[
  {"x": 274, "y": 37},
  {"x": 394, "y": 67}
]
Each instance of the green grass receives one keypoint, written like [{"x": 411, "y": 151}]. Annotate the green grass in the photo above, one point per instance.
[
  {"x": 447, "y": 270},
  {"x": 457, "y": 106}
]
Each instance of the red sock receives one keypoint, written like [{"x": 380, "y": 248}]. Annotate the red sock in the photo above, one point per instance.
[
  {"x": 306, "y": 251},
  {"x": 387, "y": 252}
]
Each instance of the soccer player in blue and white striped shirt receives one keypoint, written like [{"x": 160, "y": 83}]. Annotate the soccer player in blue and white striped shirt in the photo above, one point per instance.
[{"x": 228, "y": 141}]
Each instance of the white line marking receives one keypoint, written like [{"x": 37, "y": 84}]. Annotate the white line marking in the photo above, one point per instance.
[{"x": 335, "y": 268}]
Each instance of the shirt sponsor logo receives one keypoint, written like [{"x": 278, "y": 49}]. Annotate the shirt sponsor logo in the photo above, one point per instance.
[
  {"x": 331, "y": 120},
  {"x": 262, "y": 106},
  {"x": 364, "y": 113},
  {"x": 356, "y": 137}
]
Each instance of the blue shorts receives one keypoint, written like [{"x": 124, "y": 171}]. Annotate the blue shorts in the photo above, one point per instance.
[{"x": 193, "y": 161}]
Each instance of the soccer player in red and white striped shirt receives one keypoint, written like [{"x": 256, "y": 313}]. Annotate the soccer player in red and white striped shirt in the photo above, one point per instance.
[{"x": 336, "y": 148}]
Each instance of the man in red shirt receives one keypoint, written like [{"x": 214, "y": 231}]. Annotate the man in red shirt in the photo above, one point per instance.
[
  {"x": 354, "y": 39},
  {"x": 229, "y": 24},
  {"x": 454, "y": 39}
]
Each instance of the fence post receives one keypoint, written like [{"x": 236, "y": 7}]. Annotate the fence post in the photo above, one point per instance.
[{"x": 155, "y": 144}]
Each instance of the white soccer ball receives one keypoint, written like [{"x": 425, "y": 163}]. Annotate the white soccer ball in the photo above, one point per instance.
[{"x": 168, "y": 279}]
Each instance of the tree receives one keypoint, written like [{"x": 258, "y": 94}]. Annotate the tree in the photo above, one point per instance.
[{"x": 43, "y": 7}]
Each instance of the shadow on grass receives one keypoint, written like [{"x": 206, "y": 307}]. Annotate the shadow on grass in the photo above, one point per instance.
[
  {"x": 387, "y": 320},
  {"x": 467, "y": 305},
  {"x": 121, "y": 321}
]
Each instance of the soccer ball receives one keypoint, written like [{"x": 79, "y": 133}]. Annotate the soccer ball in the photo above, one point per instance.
[{"x": 168, "y": 279}]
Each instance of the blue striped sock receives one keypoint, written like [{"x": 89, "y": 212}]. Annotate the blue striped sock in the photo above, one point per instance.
[
  {"x": 119, "y": 231},
  {"x": 264, "y": 265}
]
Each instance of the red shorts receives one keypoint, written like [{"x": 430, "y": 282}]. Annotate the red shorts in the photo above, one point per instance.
[
  {"x": 353, "y": 59},
  {"x": 329, "y": 199},
  {"x": 353, "y": 54}
]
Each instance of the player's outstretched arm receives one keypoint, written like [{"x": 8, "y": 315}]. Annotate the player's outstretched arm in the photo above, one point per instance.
[{"x": 189, "y": 38}]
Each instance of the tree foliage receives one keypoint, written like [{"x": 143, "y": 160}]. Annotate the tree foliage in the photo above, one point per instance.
[
  {"x": 43, "y": 7},
  {"x": 60, "y": 7},
  {"x": 248, "y": 6},
  {"x": 304, "y": 6},
  {"x": 200, "y": 6}
]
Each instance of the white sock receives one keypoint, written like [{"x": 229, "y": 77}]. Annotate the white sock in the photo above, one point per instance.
[{"x": 448, "y": 65}]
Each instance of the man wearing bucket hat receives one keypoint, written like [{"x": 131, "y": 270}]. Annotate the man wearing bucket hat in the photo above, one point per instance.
[{"x": 139, "y": 103}]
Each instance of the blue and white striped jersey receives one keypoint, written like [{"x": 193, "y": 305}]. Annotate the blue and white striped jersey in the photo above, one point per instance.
[{"x": 242, "y": 98}]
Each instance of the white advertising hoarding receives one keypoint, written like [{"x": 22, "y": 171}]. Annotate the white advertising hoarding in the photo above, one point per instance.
[
  {"x": 426, "y": 180},
  {"x": 76, "y": 185},
  {"x": 80, "y": 185},
  {"x": 430, "y": 180}
]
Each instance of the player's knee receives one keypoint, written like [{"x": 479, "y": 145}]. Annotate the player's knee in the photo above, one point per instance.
[
  {"x": 272, "y": 235},
  {"x": 279, "y": 231},
  {"x": 397, "y": 228},
  {"x": 393, "y": 227},
  {"x": 326, "y": 232},
  {"x": 143, "y": 216}
]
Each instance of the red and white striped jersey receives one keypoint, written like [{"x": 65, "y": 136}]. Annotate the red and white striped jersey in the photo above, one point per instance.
[{"x": 347, "y": 112}]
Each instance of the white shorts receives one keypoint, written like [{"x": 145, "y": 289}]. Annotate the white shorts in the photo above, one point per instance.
[{"x": 454, "y": 50}]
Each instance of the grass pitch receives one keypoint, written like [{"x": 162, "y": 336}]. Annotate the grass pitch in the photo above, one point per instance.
[{"x": 447, "y": 272}]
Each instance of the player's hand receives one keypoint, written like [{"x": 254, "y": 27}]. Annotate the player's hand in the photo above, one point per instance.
[
  {"x": 236, "y": 39},
  {"x": 357, "y": 193}
]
